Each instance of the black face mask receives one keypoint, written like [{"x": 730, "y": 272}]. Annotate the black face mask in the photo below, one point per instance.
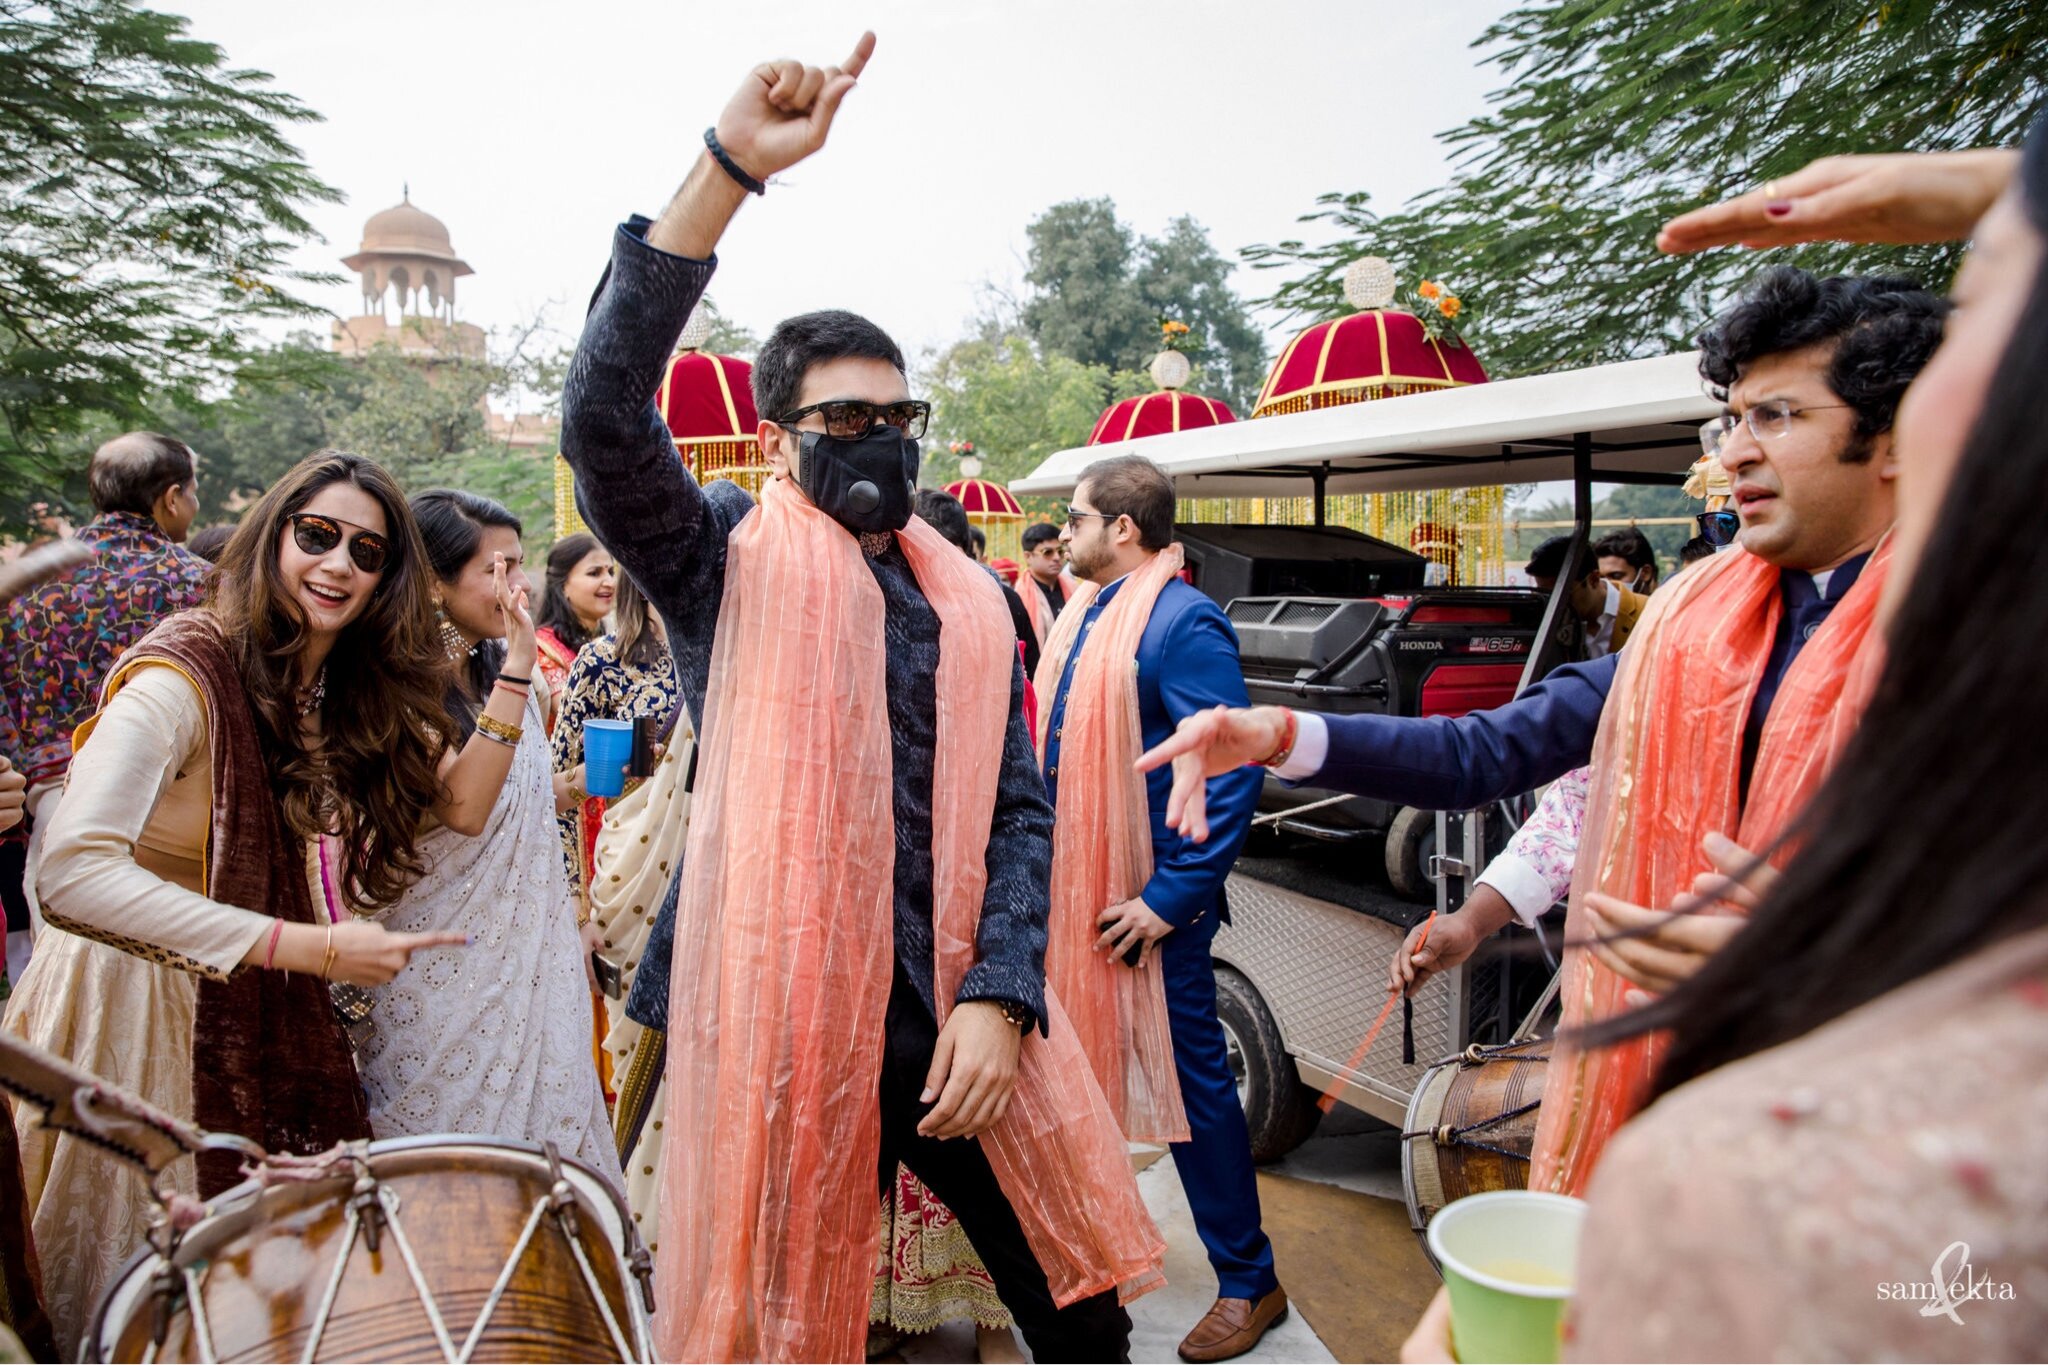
[{"x": 865, "y": 485}]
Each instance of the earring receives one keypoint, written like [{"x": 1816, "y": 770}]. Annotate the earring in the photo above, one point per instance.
[{"x": 451, "y": 638}]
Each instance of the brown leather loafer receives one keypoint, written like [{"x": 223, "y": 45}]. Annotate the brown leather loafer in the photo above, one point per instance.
[{"x": 1232, "y": 1327}]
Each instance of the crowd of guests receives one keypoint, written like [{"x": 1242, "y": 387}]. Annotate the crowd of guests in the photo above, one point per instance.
[{"x": 900, "y": 929}]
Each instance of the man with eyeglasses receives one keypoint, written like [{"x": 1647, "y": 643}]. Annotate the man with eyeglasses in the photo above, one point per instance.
[
  {"x": 1050, "y": 585},
  {"x": 1135, "y": 905},
  {"x": 860, "y": 922},
  {"x": 1724, "y": 708}
]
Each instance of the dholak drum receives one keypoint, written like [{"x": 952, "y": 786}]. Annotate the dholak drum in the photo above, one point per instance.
[
  {"x": 1470, "y": 1128},
  {"x": 431, "y": 1248}
]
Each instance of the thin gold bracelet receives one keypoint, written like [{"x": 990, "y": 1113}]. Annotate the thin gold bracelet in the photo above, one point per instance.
[{"x": 499, "y": 730}]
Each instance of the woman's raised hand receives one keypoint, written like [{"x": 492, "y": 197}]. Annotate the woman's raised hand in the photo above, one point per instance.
[
  {"x": 521, "y": 649},
  {"x": 1897, "y": 198}
]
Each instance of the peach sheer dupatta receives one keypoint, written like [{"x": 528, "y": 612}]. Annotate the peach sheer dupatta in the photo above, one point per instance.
[
  {"x": 1667, "y": 771},
  {"x": 1102, "y": 853},
  {"x": 784, "y": 958}
]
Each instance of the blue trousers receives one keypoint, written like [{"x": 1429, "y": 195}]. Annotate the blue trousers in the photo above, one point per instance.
[{"x": 1215, "y": 1164}]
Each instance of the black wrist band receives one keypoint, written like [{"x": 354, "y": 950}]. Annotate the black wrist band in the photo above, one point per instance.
[
  {"x": 732, "y": 168},
  {"x": 515, "y": 678}
]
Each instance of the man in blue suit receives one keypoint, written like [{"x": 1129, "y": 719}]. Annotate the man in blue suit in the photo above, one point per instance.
[
  {"x": 1187, "y": 662},
  {"x": 1812, "y": 371}
]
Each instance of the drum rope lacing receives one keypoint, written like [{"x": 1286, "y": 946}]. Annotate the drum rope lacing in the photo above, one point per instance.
[{"x": 1446, "y": 1135}]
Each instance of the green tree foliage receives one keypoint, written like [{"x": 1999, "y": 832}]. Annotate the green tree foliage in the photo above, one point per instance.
[
  {"x": 1616, "y": 117},
  {"x": 727, "y": 337},
  {"x": 1625, "y": 504},
  {"x": 424, "y": 421},
  {"x": 148, "y": 202},
  {"x": 1099, "y": 291},
  {"x": 1016, "y": 403},
  {"x": 283, "y": 405}
]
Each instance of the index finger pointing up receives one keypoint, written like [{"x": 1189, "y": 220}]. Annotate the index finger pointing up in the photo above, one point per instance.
[{"x": 862, "y": 50}]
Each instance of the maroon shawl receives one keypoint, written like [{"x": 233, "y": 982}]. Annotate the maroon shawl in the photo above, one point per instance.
[{"x": 269, "y": 1058}]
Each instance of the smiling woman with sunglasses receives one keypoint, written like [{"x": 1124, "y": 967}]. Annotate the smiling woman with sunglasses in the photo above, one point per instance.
[{"x": 303, "y": 699}]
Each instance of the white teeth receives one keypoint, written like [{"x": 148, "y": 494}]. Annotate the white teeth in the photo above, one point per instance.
[{"x": 326, "y": 594}]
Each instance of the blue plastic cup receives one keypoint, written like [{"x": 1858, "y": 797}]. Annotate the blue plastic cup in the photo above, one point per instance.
[{"x": 607, "y": 748}]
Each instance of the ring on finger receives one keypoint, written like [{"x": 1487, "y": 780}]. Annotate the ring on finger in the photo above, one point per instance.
[{"x": 1770, "y": 189}]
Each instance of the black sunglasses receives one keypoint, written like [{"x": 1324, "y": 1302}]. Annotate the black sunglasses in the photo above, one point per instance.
[
  {"x": 849, "y": 419},
  {"x": 1718, "y": 528},
  {"x": 316, "y": 535},
  {"x": 1074, "y": 514}
]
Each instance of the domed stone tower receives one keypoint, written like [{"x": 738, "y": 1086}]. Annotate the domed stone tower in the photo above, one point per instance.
[{"x": 406, "y": 253}]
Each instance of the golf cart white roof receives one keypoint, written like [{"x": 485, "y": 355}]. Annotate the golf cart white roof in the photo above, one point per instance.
[{"x": 1638, "y": 419}]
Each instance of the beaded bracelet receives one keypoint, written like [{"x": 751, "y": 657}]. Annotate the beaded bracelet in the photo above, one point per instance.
[
  {"x": 492, "y": 728},
  {"x": 1290, "y": 732}
]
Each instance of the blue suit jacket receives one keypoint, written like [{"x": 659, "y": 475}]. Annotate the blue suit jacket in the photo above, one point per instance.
[
  {"x": 1435, "y": 763},
  {"x": 1187, "y": 662},
  {"x": 1438, "y": 763}
]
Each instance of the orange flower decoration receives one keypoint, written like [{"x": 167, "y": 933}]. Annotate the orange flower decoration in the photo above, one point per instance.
[
  {"x": 1449, "y": 306},
  {"x": 1429, "y": 289}
]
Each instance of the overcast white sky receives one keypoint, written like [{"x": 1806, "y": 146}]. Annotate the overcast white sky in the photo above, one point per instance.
[{"x": 531, "y": 128}]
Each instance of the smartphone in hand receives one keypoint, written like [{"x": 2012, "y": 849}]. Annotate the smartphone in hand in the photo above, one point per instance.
[
  {"x": 610, "y": 979},
  {"x": 1132, "y": 955},
  {"x": 646, "y": 732}
]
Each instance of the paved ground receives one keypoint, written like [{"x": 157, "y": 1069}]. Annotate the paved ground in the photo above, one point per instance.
[{"x": 1355, "y": 1277}]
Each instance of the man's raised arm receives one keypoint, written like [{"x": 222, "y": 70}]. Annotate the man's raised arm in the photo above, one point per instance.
[{"x": 635, "y": 493}]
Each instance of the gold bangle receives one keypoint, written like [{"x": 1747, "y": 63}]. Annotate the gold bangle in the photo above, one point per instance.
[
  {"x": 327, "y": 963},
  {"x": 499, "y": 730}
]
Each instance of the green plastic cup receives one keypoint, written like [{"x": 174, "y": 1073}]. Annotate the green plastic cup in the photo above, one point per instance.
[{"x": 1508, "y": 1260}]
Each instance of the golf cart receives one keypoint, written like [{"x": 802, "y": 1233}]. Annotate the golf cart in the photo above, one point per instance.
[{"x": 1332, "y": 620}]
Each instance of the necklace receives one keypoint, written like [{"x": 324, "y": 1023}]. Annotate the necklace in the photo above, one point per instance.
[{"x": 311, "y": 699}]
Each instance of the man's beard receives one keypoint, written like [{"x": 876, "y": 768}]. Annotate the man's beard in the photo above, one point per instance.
[{"x": 1084, "y": 563}]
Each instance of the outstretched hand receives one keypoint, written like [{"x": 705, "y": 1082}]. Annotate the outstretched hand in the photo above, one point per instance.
[
  {"x": 1209, "y": 744},
  {"x": 1897, "y": 198},
  {"x": 783, "y": 110}
]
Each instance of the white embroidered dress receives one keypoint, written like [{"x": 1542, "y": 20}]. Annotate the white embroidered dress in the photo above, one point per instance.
[{"x": 493, "y": 1038}]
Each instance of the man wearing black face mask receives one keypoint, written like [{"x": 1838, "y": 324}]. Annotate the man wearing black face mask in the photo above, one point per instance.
[{"x": 776, "y": 616}]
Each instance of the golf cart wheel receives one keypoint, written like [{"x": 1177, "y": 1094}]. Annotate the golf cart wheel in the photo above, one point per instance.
[
  {"x": 1411, "y": 839},
  {"x": 1278, "y": 1109}
]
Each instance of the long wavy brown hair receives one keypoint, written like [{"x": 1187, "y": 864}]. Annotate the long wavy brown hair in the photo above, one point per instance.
[{"x": 374, "y": 775}]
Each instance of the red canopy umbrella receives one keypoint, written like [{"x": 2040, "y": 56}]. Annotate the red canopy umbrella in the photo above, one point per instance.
[
  {"x": 1378, "y": 352},
  {"x": 708, "y": 402}
]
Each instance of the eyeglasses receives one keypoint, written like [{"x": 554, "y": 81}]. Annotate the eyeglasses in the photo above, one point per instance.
[
  {"x": 849, "y": 419},
  {"x": 1074, "y": 514},
  {"x": 1718, "y": 528},
  {"x": 316, "y": 535},
  {"x": 1768, "y": 421}
]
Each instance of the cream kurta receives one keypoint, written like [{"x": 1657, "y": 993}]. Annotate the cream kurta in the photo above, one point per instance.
[{"x": 122, "y": 861}]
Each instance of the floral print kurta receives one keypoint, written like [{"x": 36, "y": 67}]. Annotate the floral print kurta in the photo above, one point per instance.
[
  {"x": 58, "y": 642},
  {"x": 600, "y": 687}
]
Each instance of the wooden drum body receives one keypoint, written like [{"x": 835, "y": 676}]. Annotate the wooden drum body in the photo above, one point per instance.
[
  {"x": 450, "y": 1248},
  {"x": 1471, "y": 1126}
]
